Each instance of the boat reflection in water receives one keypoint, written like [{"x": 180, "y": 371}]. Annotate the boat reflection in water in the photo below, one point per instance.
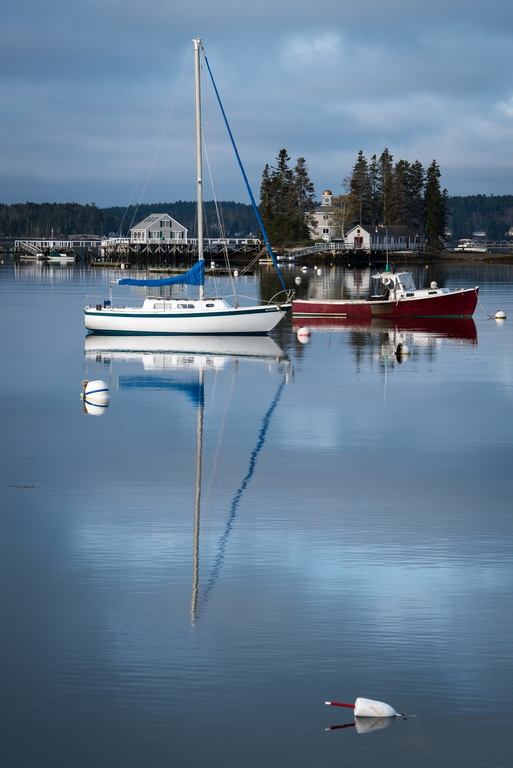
[
  {"x": 394, "y": 337},
  {"x": 161, "y": 355},
  {"x": 366, "y": 724}
]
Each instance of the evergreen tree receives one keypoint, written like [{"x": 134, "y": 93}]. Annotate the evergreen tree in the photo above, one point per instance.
[
  {"x": 435, "y": 210},
  {"x": 415, "y": 183},
  {"x": 360, "y": 186},
  {"x": 286, "y": 201},
  {"x": 385, "y": 185},
  {"x": 398, "y": 209}
]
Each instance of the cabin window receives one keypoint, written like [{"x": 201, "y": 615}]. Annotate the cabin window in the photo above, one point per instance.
[
  {"x": 182, "y": 306},
  {"x": 210, "y": 305}
]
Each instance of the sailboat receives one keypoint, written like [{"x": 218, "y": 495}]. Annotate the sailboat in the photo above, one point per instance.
[{"x": 204, "y": 315}]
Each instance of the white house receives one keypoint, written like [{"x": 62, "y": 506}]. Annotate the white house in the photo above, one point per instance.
[
  {"x": 323, "y": 228},
  {"x": 395, "y": 237},
  {"x": 158, "y": 228}
]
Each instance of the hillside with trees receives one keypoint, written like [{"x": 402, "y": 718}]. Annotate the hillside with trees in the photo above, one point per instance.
[
  {"x": 492, "y": 214},
  {"x": 60, "y": 220}
]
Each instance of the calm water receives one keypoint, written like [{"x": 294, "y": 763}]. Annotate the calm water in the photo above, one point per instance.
[{"x": 355, "y": 538}]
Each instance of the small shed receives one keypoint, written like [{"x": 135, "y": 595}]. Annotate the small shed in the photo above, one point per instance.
[
  {"x": 396, "y": 237},
  {"x": 158, "y": 228}
]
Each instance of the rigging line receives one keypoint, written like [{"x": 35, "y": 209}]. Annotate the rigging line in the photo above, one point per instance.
[
  {"x": 255, "y": 207},
  {"x": 218, "y": 208},
  {"x": 222, "y": 231},
  {"x": 215, "y": 460},
  {"x": 168, "y": 109},
  {"x": 223, "y": 541}
]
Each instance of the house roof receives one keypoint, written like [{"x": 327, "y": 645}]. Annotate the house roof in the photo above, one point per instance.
[
  {"x": 393, "y": 230},
  {"x": 153, "y": 218}
]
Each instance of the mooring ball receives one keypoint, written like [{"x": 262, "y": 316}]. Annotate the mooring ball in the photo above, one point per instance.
[
  {"x": 297, "y": 281},
  {"x": 319, "y": 272},
  {"x": 434, "y": 284},
  {"x": 500, "y": 315},
  {"x": 402, "y": 349},
  {"x": 236, "y": 273},
  {"x": 212, "y": 265},
  {"x": 97, "y": 393}
]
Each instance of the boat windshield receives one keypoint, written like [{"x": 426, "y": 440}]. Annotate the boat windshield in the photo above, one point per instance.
[{"x": 407, "y": 281}]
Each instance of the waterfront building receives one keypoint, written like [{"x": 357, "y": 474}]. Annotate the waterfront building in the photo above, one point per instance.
[
  {"x": 395, "y": 237},
  {"x": 323, "y": 228},
  {"x": 158, "y": 228}
]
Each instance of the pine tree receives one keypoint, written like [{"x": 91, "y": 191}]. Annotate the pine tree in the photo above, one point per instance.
[
  {"x": 385, "y": 184},
  {"x": 416, "y": 181},
  {"x": 359, "y": 185},
  {"x": 435, "y": 210},
  {"x": 286, "y": 201}
]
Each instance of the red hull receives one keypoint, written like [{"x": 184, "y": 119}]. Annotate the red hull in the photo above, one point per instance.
[{"x": 455, "y": 304}]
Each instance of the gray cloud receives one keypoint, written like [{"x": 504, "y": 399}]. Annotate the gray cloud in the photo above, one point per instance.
[{"x": 83, "y": 90}]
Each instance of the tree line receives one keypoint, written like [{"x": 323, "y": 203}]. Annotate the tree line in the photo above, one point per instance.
[
  {"x": 381, "y": 192},
  {"x": 287, "y": 201},
  {"x": 60, "y": 220}
]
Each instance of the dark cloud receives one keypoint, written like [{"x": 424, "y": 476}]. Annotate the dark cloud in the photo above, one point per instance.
[{"x": 83, "y": 89}]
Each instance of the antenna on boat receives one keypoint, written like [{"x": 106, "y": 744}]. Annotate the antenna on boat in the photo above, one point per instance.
[{"x": 199, "y": 164}]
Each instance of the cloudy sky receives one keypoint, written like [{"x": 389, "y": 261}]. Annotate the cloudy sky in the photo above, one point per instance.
[{"x": 87, "y": 89}]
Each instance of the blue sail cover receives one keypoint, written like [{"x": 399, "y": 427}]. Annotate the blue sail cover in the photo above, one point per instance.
[{"x": 195, "y": 276}]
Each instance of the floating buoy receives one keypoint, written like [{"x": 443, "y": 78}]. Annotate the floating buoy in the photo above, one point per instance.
[
  {"x": 236, "y": 273},
  {"x": 319, "y": 272},
  {"x": 368, "y": 708},
  {"x": 402, "y": 350},
  {"x": 500, "y": 315},
  {"x": 96, "y": 393},
  {"x": 304, "y": 269},
  {"x": 212, "y": 265},
  {"x": 433, "y": 284},
  {"x": 122, "y": 266},
  {"x": 304, "y": 335},
  {"x": 297, "y": 280}
]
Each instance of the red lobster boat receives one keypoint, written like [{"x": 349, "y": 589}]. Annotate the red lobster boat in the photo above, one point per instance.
[{"x": 394, "y": 295}]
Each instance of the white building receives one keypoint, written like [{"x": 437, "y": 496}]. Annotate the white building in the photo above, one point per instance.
[
  {"x": 323, "y": 228},
  {"x": 158, "y": 228},
  {"x": 395, "y": 237}
]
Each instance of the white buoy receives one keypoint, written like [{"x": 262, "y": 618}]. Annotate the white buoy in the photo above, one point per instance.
[
  {"x": 434, "y": 284},
  {"x": 122, "y": 266},
  {"x": 319, "y": 272},
  {"x": 236, "y": 273},
  {"x": 402, "y": 350},
  {"x": 304, "y": 335},
  {"x": 367, "y": 708},
  {"x": 304, "y": 269},
  {"x": 500, "y": 315},
  {"x": 212, "y": 265},
  {"x": 297, "y": 280},
  {"x": 96, "y": 393}
]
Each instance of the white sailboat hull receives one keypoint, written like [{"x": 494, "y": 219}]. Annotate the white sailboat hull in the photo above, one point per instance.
[{"x": 229, "y": 320}]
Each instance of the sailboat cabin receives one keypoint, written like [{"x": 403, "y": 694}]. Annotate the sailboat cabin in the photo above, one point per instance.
[{"x": 158, "y": 228}]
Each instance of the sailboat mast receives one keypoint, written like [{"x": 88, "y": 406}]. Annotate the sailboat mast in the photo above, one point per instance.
[
  {"x": 199, "y": 154},
  {"x": 197, "y": 498}
]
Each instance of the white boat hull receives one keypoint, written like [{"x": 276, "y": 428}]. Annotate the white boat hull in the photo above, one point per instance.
[{"x": 230, "y": 321}]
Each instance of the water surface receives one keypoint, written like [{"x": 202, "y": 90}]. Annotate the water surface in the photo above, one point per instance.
[{"x": 355, "y": 537}]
